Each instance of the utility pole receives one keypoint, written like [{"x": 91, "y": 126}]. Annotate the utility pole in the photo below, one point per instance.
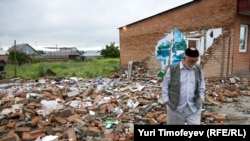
[{"x": 15, "y": 57}]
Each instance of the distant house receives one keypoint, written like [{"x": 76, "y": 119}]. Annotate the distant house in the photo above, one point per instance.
[
  {"x": 62, "y": 53},
  {"x": 25, "y": 48},
  {"x": 91, "y": 54},
  {"x": 3, "y": 55}
]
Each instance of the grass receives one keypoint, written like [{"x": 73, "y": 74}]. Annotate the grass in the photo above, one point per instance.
[{"x": 87, "y": 69}]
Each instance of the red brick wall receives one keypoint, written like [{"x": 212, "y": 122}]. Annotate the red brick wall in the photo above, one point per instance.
[
  {"x": 138, "y": 40},
  {"x": 241, "y": 61},
  {"x": 217, "y": 60}
]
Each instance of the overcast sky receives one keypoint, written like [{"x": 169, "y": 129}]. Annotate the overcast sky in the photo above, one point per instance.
[{"x": 84, "y": 24}]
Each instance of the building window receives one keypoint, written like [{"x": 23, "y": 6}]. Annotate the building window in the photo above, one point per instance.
[{"x": 243, "y": 38}]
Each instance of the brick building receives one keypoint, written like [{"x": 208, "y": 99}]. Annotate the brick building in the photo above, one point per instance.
[{"x": 218, "y": 28}]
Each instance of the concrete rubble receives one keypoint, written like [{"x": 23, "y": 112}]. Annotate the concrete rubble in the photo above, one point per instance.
[{"x": 100, "y": 109}]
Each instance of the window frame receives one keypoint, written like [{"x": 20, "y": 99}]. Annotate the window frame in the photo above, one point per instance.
[{"x": 243, "y": 38}]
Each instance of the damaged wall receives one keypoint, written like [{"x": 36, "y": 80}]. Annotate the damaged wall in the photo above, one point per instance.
[
  {"x": 217, "y": 60},
  {"x": 138, "y": 40}
]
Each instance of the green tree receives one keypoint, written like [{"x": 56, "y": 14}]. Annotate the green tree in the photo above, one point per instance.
[
  {"x": 21, "y": 58},
  {"x": 110, "y": 51}
]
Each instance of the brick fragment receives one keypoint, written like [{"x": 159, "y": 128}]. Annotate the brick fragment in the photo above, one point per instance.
[
  {"x": 60, "y": 120},
  {"x": 71, "y": 135}
]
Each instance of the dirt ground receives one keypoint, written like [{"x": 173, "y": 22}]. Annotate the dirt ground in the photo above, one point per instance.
[{"x": 235, "y": 112}]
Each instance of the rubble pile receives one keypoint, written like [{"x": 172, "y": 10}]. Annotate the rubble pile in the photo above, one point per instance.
[
  {"x": 100, "y": 109},
  {"x": 219, "y": 91}
]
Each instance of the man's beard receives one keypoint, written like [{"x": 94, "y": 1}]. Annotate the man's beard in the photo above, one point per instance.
[{"x": 189, "y": 66}]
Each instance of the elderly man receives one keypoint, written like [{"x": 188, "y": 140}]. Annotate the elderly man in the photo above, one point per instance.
[{"x": 183, "y": 90}]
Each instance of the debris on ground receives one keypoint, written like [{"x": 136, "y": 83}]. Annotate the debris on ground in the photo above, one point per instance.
[{"x": 75, "y": 109}]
